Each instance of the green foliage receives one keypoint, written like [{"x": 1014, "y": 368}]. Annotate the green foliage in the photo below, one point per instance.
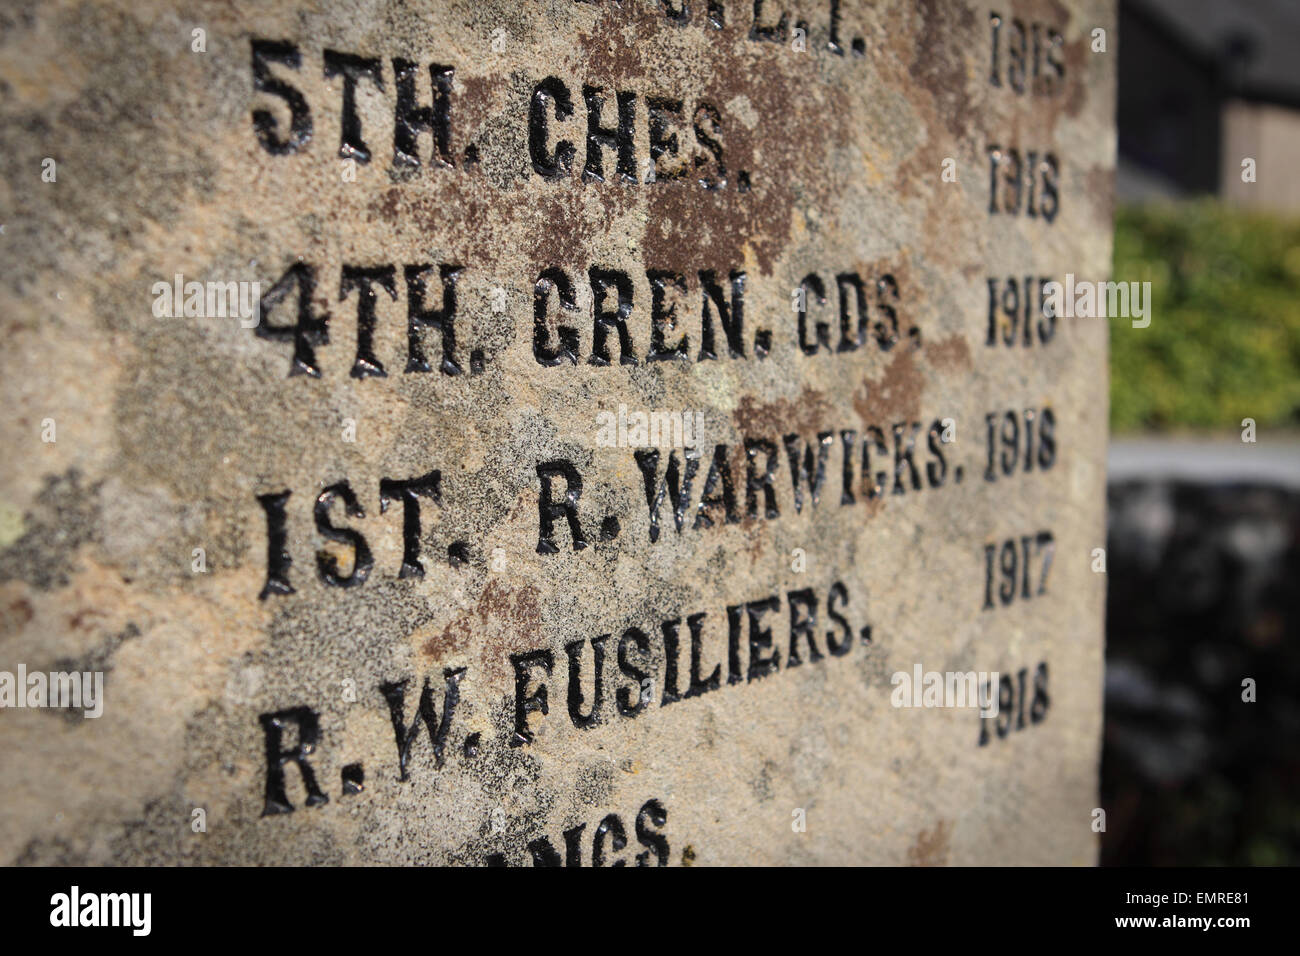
[{"x": 1224, "y": 339}]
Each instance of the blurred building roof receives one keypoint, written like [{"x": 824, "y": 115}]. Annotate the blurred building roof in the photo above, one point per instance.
[{"x": 1257, "y": 42}]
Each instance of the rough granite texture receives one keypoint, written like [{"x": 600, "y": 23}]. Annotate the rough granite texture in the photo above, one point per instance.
[{"x": 169, "y": 428}]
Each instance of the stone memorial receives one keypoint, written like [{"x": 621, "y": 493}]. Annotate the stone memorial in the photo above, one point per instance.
[{"x": 567, "y": 433}]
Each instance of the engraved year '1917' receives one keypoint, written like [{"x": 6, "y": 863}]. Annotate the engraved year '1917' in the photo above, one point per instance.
[{"x": 1013, "y": 561}]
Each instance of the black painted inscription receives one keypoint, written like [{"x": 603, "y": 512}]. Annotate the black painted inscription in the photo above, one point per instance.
[
  {"x": 1024, "y": 183},
  {"x": 1009, "y": 571},
  {"x": 607, "y": 679},
  {"x": 1019, "y": 442},
  {"x": 1018, "y": 313},
  {"x": 1026, "y": 57},
  {"x": 608, "y": 839},
  {"x": 1016, "y": 702},
  {"x": 411, "y": 118}
]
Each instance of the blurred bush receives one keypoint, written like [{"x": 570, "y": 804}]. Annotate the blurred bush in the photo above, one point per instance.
[{"x": 1224, "y": 339}]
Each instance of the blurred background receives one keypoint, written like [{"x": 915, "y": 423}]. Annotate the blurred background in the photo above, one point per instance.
[{"x": 1203, "y": 552}]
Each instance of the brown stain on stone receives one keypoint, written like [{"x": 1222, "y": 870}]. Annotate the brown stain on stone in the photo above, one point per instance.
[
  {"x": 949, "y": 355},
  {"x": 15, "y": 616},
  {"x": 500, "y": 622},
  {"x": 895, "y": 396},
  {"x": 564, "y": 228},
  {"x": 480, "y": 98},
  {"x": 938, "y": 66},
  {"x": 524, "y": 611},
  {"x": 82, "y": 619},
  {"x": 455, "y": 637},
  {"x": 388, "y": 205},
  {"x": 1068, "y": 100},
  {"x": 931, "y": 846},
  {"x": 1076, "y": 57},
  {"x": 939, "y": 71},
  {"x": 683, "y": 226},
  {"x": 1099, "y": 187},
  {"x": 520, "y": 611},
  {"x": 805, "y": 415},
  {"x": 793, "y": 111},
  {"x": 472, "y": 199},
  {"x": 607, "y": 56},
  {"x": 755, "y": 534}
]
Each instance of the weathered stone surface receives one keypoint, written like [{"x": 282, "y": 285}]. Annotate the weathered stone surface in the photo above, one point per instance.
[{"x": 169, "y": 429}]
